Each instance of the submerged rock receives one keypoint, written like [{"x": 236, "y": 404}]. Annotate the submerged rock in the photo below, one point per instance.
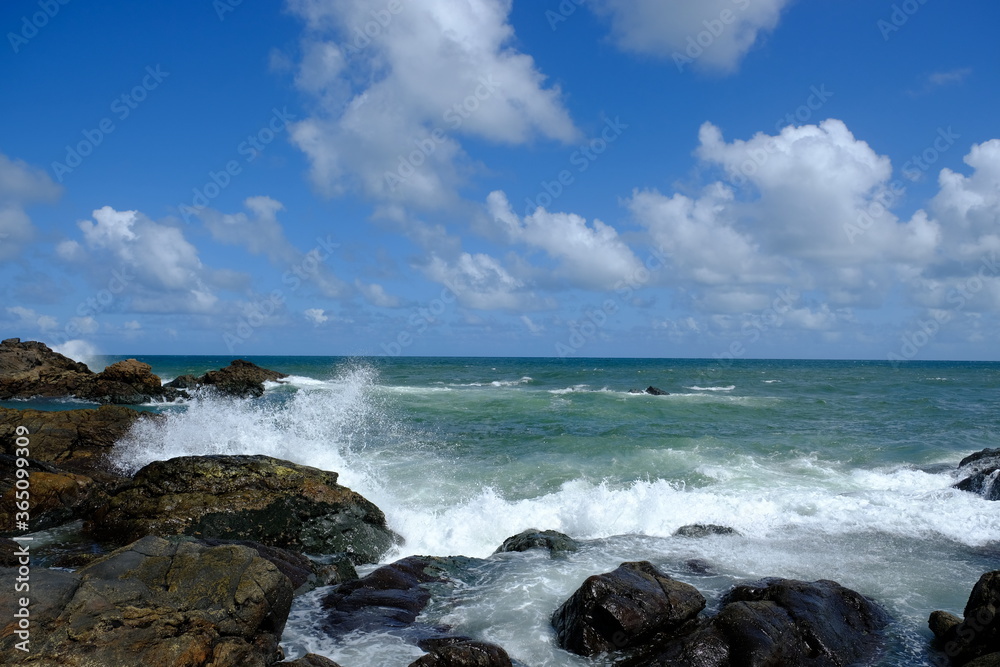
[
  {"x": 156, "y": 602},
  {"x": 704, "y": 530},
  {"x": 552, "y": 540},
  {"x": 653, "y": 391},
  {"x": 974, "y": 639},
  {"x": 461, "y": 652},
  {"x": 777, "y": 622},
  {"x": 240, "y": 378},
  {"x": 258, "y": 498},
  {"x": 623, "y": 609}
]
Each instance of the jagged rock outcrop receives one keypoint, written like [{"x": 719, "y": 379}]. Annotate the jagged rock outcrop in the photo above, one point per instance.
[
  {"x": 155, "y": 602},
  {"x": 240, "y": 378},
  {"x": 30, "y": 369},
  {"x": 258, "y": 498}
]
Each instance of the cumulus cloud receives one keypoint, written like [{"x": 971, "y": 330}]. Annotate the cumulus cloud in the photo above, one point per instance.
[
  {"x": 20, "y": 186},
  {"x": 399, "y": 100},
  {"x": 27, "y": 317},
  {"x": 721, "y": 31},
  {"x": 588, "y": 256},
  {"x": 481, "y": 282},
  {"x": 316, "y": 315}
]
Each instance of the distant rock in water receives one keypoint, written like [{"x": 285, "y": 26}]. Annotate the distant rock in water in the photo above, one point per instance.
[
  {"x": 982, "y": 471},
  {"x": 257, "y": 498},
  {"x": 552, "y": 540},
  {"x": 240, "y": 378},
  {"x": 128, "y": 382},
  {"x": 704, "y": 530},
  {"x": 651, "y": 390},
  {"x": 974, "y": 639}
]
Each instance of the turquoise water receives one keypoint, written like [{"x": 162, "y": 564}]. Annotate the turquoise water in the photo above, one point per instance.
[{"x": 838, "y": 470}]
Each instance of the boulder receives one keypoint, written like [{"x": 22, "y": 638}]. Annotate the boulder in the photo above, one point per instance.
[
  {"x": 76, "y": 441},
  {"x": 240, "y": 378},
  {"x": 310, "y": 660},
  {"x": 388, "y": 599},
  {"x": 156, "y": 602},
  {"x": 554, "y": 541},
  {"x": 704, "y": 530},
  {"x": 623, "y": 609},
  {"x": 304, "y": 573},
  {"x": 128, "y": 382},
  {"x": 651, "y": 390},
  {"x": 31, "y": 369},
  {"x": 461, "y": 652},
  {"x": 777, "y": 622},
  {"x": 258, "y": 498},
  {"x": 981, "y": 471},
  {"x": 977, "y": 635},
  {"x": 53, "y": 497},
  {"x": 184, "y": 382}
]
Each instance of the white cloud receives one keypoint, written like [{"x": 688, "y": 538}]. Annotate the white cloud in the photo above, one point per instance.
[
  {"x": 20, "y": 186},
  {"x": 393, "y": 95},
  {"x": 162, "y": 269},
  {"x": 316, "y": 315},
  {"x": 480, "y": 282},
  {"x": 724, "y": 30},
  {"x": 376, "y": 295},
  {"x": 29, "y": 318},
  {"x": 591, "y": 257}
]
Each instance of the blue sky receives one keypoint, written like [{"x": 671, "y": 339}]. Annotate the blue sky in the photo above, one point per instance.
[{"x": 723, "y": 178}]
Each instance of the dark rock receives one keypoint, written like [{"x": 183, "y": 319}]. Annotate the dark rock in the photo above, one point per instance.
[
  {"x": 32, "y": 369},
  {"x": 128, "y": 382},
  {"x": 624, "y": 608},
  {"x": 985, "y": 458},
  {"x": 156, "y": 603},
  {"x": 240, "y": 378},
  {"x": 7, "y": 549},
  {"x": 699, "y": 566},
  {"x": 311, "y": 660},
  {"x": 988, "y": 660},
  {"x": 977, "y": 635},
  {"x": 257, "y": 498},
  {"x": 54, "y": 497},
  {"x": 304, "y": 573},
  {"x": 184, "y": 382},
  {"x": 389, "y": 598},
  {"x": 554, "y": 541},
  {"x": 704, "y": 530},
  {"x": 77, "y": 441},
  {"x": 464, "y": 653},
  {"x": 778, "y": 622},
  {"x": 656, "y": 391},
  {"x": 983, "y": 483}
]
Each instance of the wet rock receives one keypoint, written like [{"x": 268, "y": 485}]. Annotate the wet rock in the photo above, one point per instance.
[
  {"x": 982, "y": 474},
  {"x": 653, "y": 391},
  {"x": 977, "y": 635},
  {"x": 31, "y": 369},
  {"x": 257, "y": 498},
  {"x": 76, "y": 441},
  {"x": 184, "y": 382},
  {"x": 157, "y": 602},
  {"x": 624, "y": 608},
  {"x": 552, "y": 540},
  {"x": 699, "y": 566},
  {"x": 704, "y": 530},
  {"x": 311, "y": 660},
  {"x": 304, "y": 573},
  {"x": 240, "y": 378},
  {"x": 777, "y": 622},
  {"x": 53, "y": 497},
  {"x": 461, "y": 652},
  {"x": 128, "y": 382}
]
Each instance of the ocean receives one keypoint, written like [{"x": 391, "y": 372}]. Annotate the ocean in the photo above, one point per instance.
[{"x": 827, "y": 469}]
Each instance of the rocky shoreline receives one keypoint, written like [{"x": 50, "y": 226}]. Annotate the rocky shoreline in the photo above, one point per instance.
[{"x": 196, "y": 560}]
